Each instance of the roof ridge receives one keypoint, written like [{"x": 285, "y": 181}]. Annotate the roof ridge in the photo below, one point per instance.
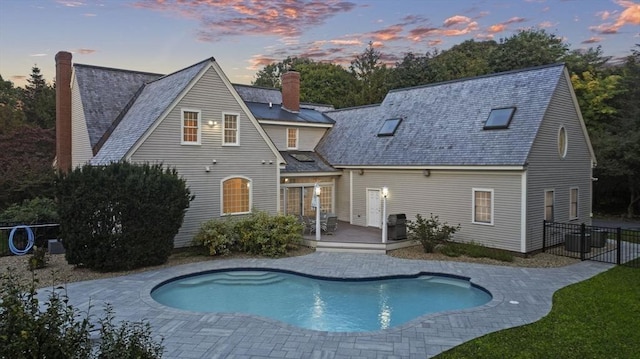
[
  {"x": 257, "y": 87},
  {"x": 355, "y": 107},
  {"x": 472, "y": 78},
  {"x": 209, "y": 59},
  {"x": 117, "y": 69}
]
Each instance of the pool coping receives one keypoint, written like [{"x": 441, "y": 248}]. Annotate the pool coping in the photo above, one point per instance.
[{"x": 214, "y": 335}]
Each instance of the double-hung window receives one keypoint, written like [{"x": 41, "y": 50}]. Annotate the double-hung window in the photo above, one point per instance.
[
  {"x": 573, "y": 203},
  {"x": 482, "y": 206},
  {"x": 191, "y": 127},
  {"x": 549, "y": 199},
  {"x": 292, "y": 138},
  {"x": 230, "y": 127}
]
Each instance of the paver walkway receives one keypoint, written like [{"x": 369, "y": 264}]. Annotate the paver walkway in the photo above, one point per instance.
[{"x": 520, "y": 296}]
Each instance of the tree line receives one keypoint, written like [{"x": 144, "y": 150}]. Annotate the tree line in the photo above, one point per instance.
[{"x": 607, "y": 92}]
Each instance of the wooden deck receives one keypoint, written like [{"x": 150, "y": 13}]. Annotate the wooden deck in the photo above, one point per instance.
[{"x": 354, "y": 239}]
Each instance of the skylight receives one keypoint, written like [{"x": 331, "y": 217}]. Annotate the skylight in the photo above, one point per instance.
[
  {"x": 302, "y": 157},
  {"x": 499, "y": 118},
  {"x": 389, "y": 127}
]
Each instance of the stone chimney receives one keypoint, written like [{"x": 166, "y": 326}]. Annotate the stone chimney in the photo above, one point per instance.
[
  {"x": 291, "y": 91},
  {"x": 63, "y": 111}
]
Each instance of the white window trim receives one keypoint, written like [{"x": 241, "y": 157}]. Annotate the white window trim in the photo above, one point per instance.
[
  {"x": 222, "y": 214},
  {"x": 190, "y": 143},
  {"x": 473, "y": 205},
  {"x": 297, "y": 138},
  {"x": 237, "y": 115},
  {"x": 577, "y": 216},
  {"x": 566, "y": 141},
  {"x": 544, "y": 204}
]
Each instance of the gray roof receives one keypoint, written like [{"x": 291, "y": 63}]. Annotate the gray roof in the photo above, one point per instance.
[
  {"x": 258, "y": 94},
  {"x": 299, "y": 164},
  {"x": 105, "y": 92},
  {"x": 151, "y": 102},
  {"x": 264, "y": 111},
  {"x": 442, "y": 124}
]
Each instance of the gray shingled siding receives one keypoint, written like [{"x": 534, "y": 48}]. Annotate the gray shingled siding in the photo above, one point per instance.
[
  {"x": 211, "y": 96},
  {"x": 447, "y": 194},
  {"x": 307, "y": 141},
  {"x": 81, "y": 151},
  {"x": 548, "y": 171},
  {"x": 443, "y": 123}
]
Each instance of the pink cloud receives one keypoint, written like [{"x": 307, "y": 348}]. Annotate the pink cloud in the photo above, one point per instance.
[
  {"x": 493, "y": 29},
  {"x": 592, "y": 40},
  {"x": 545, "y": 25},
  {"x": 434, "y": 42},
  {"x": 84, "y": 51},
  {"x": 240, "y": 17},
  {"x": 455, "y": 20},
  {"x": 629, "y": 16}
]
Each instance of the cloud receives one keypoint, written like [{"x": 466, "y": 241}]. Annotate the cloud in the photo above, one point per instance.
[
  {"x": 38, "y": 55},
  {"x": 89, "y": 15},
  {"x": 493, "y": 29},
  {"x": 18, "y": 78},
  {"x": 387, "y": 34},
  {"x": 70, "y": 3},
  {"x": 84, "y": 51},
  {"x": 503, "y": 26},
  {"x": 629, "y": 16},
  {"x": 435, "y": 42},
  {"x": 241, "y": 17},
  {"x": 592, "y": 40},
  {"x": 455, "y": 20},
  {"x": 545, "y": 25}
]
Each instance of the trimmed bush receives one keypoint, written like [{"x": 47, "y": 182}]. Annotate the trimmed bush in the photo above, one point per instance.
[
  {"x": 430, "y": 231},
  {"x": 38, "y": 210},
  {"x": 120, "y": 216},
  {"x": 55, "y": 329},
  {"x": 258, "y": 233}
]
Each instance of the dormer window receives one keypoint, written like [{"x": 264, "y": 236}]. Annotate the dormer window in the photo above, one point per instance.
[
  {"x": 499, "y": 118},
  {"x": 389, "y": 127}
]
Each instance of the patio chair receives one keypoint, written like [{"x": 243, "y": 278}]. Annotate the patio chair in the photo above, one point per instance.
[
  {"x": 331, "y": 225},
  {"x": 309, "y": 226}
]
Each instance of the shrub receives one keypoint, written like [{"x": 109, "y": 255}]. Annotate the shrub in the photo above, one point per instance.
[
  {"x": 475, "y": 250},
  {"x": 38, "y": 210},
  {"x": 38, "y": 258},
  {"x": 55, "y": 329},
  {"x": 430, "y": 232},
  {"x": 120, "y": 216},
  {"x": 217, "y": 235},
  {"x": 258, "y": 233}
]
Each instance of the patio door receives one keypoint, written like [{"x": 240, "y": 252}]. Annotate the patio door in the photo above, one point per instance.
[{"x": 374, "y": 213}]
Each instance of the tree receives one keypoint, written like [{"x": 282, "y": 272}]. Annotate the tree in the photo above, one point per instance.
[
  {"x": 413, "y": 70},
  {"x": 39, "y": 101},
  {"x": 26, "y": 159},
  {"x": 467, "y": 59},
  {"x": 579, "y": 61},
  {"x": 372, "y": 76},
  {"x": 527, "y": 48},
  {"x": 327, "y": 83},
  {"x": 11, "y": 116},
  {"x": 271, "y": 75}
]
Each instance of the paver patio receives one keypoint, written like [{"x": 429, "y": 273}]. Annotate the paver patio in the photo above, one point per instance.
[{"x": 213, "y": 335}]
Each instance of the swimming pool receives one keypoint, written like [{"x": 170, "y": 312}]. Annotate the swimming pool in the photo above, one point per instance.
[{"x": 327, "y": 304}]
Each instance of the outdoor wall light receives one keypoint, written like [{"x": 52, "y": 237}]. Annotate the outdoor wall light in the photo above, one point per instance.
[
  {"x": 361, "y": 171},
  {"x": 318, "y": 191},
  {"x": 207, "y": 169},
  {"x": 385, "y": 191},
  {"x": 212, "y": 123},
  {"x": 426, "y": 173},
  {"x": 214, "y": 161},
  {"x": 263, "y": 161}
]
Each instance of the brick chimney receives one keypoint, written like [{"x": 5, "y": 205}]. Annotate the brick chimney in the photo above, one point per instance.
[
  {"x": 291, "y": 91},
  {"x": 63, "y": 111}
]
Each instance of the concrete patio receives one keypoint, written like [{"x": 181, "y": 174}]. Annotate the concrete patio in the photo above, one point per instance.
[{"x": 520, "y": 296}]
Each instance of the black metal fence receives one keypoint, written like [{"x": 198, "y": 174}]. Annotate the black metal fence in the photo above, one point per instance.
[
  {"x": 596, "y": 243},
  {"x": 42, "y": 233}
]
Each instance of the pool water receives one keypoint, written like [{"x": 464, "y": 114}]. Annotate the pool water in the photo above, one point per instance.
[{"x": 320, "y": 304}]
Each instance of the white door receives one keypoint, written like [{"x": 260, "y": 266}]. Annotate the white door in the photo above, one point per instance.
[{"x": 374, "y": 217}]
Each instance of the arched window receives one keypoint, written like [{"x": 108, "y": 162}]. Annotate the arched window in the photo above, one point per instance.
[{"x": 236, "y": 195}]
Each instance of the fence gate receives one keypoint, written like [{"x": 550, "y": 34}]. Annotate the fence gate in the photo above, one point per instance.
[{"x": 595, "y": 243}]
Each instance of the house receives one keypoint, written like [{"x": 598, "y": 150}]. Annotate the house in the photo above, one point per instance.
[{"x": 496, "y": 154}]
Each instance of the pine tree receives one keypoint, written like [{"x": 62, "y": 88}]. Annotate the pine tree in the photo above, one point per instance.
[{"x": 39, "y": 101}]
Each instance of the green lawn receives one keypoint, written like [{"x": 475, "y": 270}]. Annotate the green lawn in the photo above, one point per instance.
[{"x": 597, "y": 318}]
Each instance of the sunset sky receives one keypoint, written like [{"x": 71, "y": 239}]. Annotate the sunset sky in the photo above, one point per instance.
[{"x": 163, "y": 36}]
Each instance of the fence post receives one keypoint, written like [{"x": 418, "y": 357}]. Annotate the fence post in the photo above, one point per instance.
[
  {"x": 544, "y": 235},
  {"x": 618, "y": 244},
  {"x": 583, "y": 242}
]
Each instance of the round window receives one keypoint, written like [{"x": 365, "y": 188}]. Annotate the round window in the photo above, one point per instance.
[{"x": 562, "y": 142}]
